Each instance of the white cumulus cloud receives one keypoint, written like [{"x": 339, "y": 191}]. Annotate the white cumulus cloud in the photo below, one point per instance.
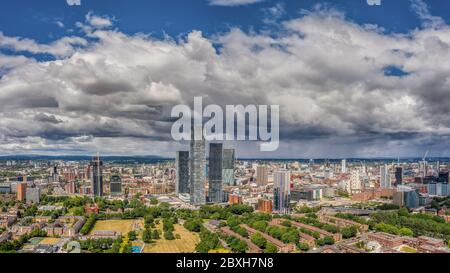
[
  {"x": 231, "y": 3},
  {"x": 74, "y": 2}
]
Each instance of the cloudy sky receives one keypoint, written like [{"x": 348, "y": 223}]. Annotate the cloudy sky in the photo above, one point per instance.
[{"x": 352, "y": 80}]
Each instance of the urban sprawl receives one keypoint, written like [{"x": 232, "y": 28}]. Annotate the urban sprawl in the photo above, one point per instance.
[{"x": 208, "y": 201}]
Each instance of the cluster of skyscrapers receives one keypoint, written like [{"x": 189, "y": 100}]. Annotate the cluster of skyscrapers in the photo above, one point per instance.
[{"x": 193, "y": 170}]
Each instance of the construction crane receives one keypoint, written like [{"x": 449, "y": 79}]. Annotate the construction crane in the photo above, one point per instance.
[{"x": 425, "y": 155}]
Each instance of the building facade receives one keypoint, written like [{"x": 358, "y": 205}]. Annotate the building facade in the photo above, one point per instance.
[
  {"x": 197, "y": 168},
  {"x": 182, "y": 166},
  {"x": 115, "y": 185},
  {"x": 215, "y": 173},
  {"x": 262, "y": 173},
  {"x": 282, "y": 192},
  {"x": 96, "y": 176},
  {"x": 228, "y": 166},
  {"x": 385, "y": 178}
]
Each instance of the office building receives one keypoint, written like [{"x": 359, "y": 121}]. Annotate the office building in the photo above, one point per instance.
[
  {"x": 197, "y": 157},
  {"x": 344, "y": 166},
  {"x": 97, "y": 176},
  {"x": 21, "y": 189},
  {"x": 182, "y": 166},
  {"x": 262, "y": 173},
  {"x": 5, "y": 188},
  {"x": 215, "y": 173},
  {"x": 443, "y": 177},
  {"x": 385, "y": 178},
  {"x": 33, "y": 195},
  {"x": 406, "y": 197},
  {"x": 265, "y": 206},
  {"x": 234, "y": 199},
  {"x": 70, "y": 187},
  {"x": 398, "y": 176},
  {"x": 115, "y": 185},
  {"x": 282, "y": 192},
  {"x": 228, "y": 167}
]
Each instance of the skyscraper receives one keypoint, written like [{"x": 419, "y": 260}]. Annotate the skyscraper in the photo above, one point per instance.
[
  {"x": 344, "y": 166},
  {"x": 215, "y": 172},
  {"x": 198, "y": 168},
  {"x": 385, "y": 179},
  {"x": 282, "y": 192},
  {"x": 115, "y": 185},
  {"x": 182, "y": 166},
  {"x": 96, "y": 176},
  {"x": 21, "y": 191},
  {"x": 228, "y": 167},
  {"x": 262, "y": 173},
  {"x": 398, "y": 176}
]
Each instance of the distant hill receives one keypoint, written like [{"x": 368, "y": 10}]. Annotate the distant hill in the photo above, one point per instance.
[{"x": 145, "y": 158}]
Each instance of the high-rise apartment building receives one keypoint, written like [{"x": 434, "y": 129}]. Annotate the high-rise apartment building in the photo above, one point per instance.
[
  {"x": 197, "y": 167},
  {"x": 21, "y": 189},
  {"x": 398, "y": 175},
  {"x": 385, "y": 177},
  {"x": 262, "y": 173},
  {"x": 33, "y": 195},
  {"x": 344, "y": 166},
  {"x": 115, "y": 185},
  {"x": 228, "y": 166},
  {"x": 96, "y": 176},
  {"x": 182, "y": 166},
  {"x": 215, "y": 173},
  {"x": 282, "y": 192}
]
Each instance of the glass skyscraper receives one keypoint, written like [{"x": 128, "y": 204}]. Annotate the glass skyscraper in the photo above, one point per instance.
[
  {"x": 282, "y": 192},
  {"x": 97, "y": 176},
  {"x": 228, "y": 167},
  {"x": 385, "y": 178},
  {"x": 215, "y": 172},
  {"x": 198, "y": 168},
  {"x": 182, "y": 166},
  {"x": 115, "y": 185}
]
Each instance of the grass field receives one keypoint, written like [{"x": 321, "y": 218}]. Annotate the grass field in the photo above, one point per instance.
[
  {"x": 50, "y": 241},
  {"x": 408, "y": 249},
  {"x": 186, "y": 244},
  {"x": 122, "y": 226}
]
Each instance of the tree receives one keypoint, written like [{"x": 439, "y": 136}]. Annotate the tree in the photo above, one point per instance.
[
  {"x": 290, "y": 236},
  {"x": 168, "y": 235},
  {"x": 132, "y": 235},
  {"x": 260, "y": 225},
  {"x": 270, "y": 248},
  {"x": 149, "y": 219},
  {"x": 208, "y": 241},
  {"x": 403, "y": 212},
  {"x": 303, "y": 246},
  {"x": 349, "y": 232},
  {"x": 405, "y": 232},
  {"x": 275, "y": 232},
  {"x": 240, "y": 247},
  {"x": 147, "y": 236},
  {"x": 155, "y": 235},
  {"x": 258, "y": 240},
  {"x": 193, "y": 225},
  {"x": 88, "y": 225},
  {"x": 328, "y": 240}
]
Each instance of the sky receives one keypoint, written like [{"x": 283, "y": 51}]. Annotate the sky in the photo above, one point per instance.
[{"x": 352, "y": 80}]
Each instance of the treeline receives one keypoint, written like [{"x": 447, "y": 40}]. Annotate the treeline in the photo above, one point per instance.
[
  {"x": 402, "y": 222},
  {"x": 88, "y": 225}
]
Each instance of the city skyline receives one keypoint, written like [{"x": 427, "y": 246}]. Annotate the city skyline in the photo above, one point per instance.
[{"x": 81, "y": 79}]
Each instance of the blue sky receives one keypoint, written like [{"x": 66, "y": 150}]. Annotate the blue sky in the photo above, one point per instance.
[
  {"x": 351, "y": 80},
  {"x": 36, "y": 19}
]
